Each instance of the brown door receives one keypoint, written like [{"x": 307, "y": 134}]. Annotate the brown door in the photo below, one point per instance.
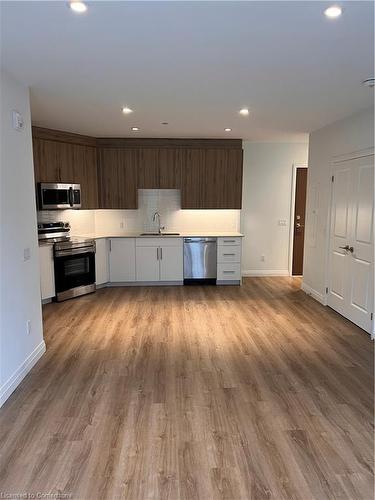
[{"x": 299, "y": 221}]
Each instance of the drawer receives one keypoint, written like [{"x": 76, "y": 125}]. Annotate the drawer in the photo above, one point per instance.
[
  {"x": 159, "y": 241},
  {"x": 228, "y": 272},
  {"x": 229, "y": 253},
  {"x": 228, "y": 241}
]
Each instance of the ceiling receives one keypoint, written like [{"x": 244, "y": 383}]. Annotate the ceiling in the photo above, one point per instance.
[{"x": 191, "y": 64}]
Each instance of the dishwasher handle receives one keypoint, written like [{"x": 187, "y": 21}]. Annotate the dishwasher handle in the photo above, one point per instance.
[{"x": 199, "y": 240}]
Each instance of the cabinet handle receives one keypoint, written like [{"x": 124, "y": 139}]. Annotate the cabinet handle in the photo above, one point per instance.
[
  {"x": 110, "y": 245},
  {"x": 157, "y": 253},
  {"x": 161, "y": 253},
  {"x": 229, "y": 241},
  {"x": 229, "y": 272},
  {"x": 229, "y": 254}
]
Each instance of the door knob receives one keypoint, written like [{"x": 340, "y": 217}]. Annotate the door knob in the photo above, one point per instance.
[{"x": 347, "y": 248}]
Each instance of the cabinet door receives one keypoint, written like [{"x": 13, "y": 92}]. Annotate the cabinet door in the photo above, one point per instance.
[
  {"x": 171, "y": 263},
  {"x": 214, "y": 188},
  {"x": 233, "y": 182},
  {"x": 101, "y": 261},
  {"x": 147, "y": 263},
  {"x": 192, "y": 180},
  {"x": 85, "y": 174},
  {"x": 148, "y": 173},
  {"x": 127, "y": 178},
  {"x": 47, "y": 272},
  {"x": 53, "y": 161},
  {"x": 121, "y": 259},
  {"x": 171, "y": 162},
  {"x": 118, "y": 178}
]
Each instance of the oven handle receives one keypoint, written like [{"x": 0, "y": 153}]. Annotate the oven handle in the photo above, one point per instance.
[{"x": 74, "y": 251}]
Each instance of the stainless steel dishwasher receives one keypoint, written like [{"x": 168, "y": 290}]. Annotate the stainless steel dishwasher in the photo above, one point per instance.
[{"x": 200, "y": 260}]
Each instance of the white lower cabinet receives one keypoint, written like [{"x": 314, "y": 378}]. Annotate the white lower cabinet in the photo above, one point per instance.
[
  {"x": 102, "y": 261},
  {"x": 147, "y": 267},
  {"x": 121, "y": 260},
  {"x": 47, "y": 272},
  {"x": 159, "y": 259},
  {"x": 229, "y": 260}
]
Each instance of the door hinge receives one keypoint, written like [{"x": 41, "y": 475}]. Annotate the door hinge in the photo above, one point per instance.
[
  {"x": 327, "y": 289},
  {"x": 333, "y": 178}
]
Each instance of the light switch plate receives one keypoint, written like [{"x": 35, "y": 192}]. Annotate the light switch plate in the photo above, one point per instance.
[
  {"x": 17, "y": 121},
  {"x": 282, "y": 222},
  {"x": 26, "y": 254}
]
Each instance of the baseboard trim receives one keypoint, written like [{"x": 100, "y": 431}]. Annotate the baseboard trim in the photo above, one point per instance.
[
  {"x": 266, "y": 272},
  {"x": 14, "y": 380},
  {"x": 314, "y": 294},
  {"x": 145, "y": 283}
]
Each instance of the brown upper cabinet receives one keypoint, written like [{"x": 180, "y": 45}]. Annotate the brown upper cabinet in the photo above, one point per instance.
[
  {"x": 207, "y": 171},
  {"x": 212, "y": 179},
  {"x": 70, "y": 158},
  {"x": 118, "y": 178}
]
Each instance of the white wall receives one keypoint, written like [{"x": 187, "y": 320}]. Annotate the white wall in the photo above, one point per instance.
[
  {"x": 267, "y": 195},
  {"x": 20, "y": 288},
  {"x": 351, "y": 134}
]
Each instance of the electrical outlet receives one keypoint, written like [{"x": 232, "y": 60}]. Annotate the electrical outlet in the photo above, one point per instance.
[
  {"x": 28, "y": 327},
  {"x": 262, "y": 258},
  {"x": 122, "y": 225}
]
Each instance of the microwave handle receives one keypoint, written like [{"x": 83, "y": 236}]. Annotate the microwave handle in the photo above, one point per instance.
[{"x": 71, "y": 196}]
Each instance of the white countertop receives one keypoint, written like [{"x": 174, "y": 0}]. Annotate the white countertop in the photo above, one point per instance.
[{"x": 213, "y": 234}]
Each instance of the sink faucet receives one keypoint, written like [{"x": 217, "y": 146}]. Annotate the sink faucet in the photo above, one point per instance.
[{"x": 156, "y": 214}]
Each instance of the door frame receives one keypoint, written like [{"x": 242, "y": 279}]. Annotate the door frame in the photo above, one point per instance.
[
  {"x": 335, "y": 160},
  {"x": 292, "y": 208}
]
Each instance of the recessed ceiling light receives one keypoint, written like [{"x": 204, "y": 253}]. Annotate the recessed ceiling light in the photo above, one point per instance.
[
  {"x": 126, "y": 110},
  {"x": 369, "y": 82},
  {"x": 333, "y": 12},
  {"x": 227, "y": 129},
  {"x": 244, "y": 112},
  {"x": 78, "y": 6},
  {"x": 135, "y": 129}
]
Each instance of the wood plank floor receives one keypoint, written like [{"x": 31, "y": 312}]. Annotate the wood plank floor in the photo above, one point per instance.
[{"x": 252, "y": 392}]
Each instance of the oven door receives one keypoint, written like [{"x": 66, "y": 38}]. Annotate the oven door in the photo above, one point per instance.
[{"x": 74, "y": 273}]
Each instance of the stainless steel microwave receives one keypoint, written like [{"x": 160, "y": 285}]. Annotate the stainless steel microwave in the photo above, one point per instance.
[{"x": 54, "y": 196}]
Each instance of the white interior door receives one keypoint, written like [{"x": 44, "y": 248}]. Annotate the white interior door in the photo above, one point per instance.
[{"x": 351, "y": 283}]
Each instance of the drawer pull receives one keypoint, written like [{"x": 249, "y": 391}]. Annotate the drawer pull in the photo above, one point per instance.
[
  {"x": 229, "y": 254},
  {"x": 229, "y": 272},
  {"x": 229, "y": 241}
]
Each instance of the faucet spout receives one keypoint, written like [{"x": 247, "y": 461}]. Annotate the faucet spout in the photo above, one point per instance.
[{"x": 157, "y": 215}]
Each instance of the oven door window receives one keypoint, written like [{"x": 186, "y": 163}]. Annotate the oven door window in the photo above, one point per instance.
[{"x": 72, "y": 271}]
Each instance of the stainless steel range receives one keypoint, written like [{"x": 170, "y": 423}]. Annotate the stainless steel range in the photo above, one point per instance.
[{"x": 74, "y": 260}]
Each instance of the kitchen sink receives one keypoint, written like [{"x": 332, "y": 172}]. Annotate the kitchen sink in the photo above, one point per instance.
[{"x": 160, "y": 234}]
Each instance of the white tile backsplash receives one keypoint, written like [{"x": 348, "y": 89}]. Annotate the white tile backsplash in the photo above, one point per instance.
[{"x": 166, "y": 201}]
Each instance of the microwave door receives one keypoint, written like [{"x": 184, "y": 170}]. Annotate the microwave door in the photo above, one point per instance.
[{"x": 53, "y": 197}]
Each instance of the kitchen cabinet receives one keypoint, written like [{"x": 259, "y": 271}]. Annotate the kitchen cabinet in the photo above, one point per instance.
[
  {"x": 229, "y": 260},
  {"x": 148, "y": 171},
  {"x": 192, "y": 179},
  {"x": 159, "y": 259},
  {"x": 102, "y": 261},
  {"x": 118, "y": 178},
  {"x": 85, "y": 173},
  {"x": 171, "y": 163},
  {"x": 172, "y": 262},
  {"x": 121, "y": 260},
  {"x": 212, "y": 179},
  {"x": 160, "y": 168},
  {"x": 47, "y": 272},
  {"x": 69, "y": 158}
]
